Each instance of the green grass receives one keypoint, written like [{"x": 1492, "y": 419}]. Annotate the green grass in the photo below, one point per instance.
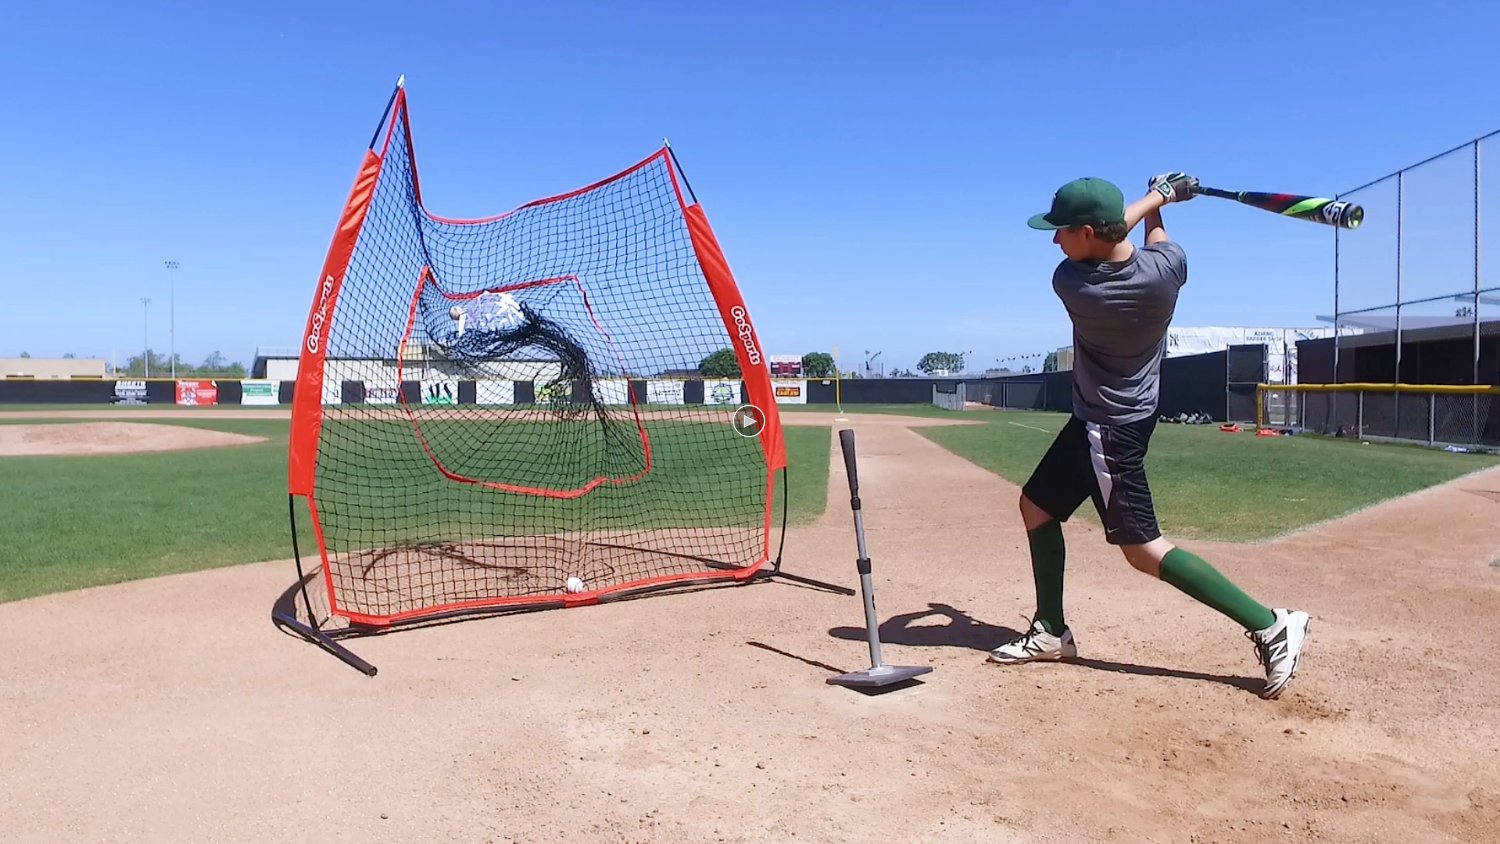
[
  {"x": 83, "y": 521},
  {"x": 698, "y": 478},
  {"x": 73, "y": 522},
  {"x": 1231, "y": 487},
  {"x": 80, "y": 521},
  {"x": 807, "y": 455}
]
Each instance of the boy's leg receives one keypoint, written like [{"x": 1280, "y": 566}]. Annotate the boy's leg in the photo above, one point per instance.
[
  {"x": 1056, "y": 487},
  {"x": 1118, "y": 455}
]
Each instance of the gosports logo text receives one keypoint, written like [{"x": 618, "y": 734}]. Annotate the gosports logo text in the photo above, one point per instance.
[
  {"x": 747, "y": 335},
  {"x": 320, "y": 316}
]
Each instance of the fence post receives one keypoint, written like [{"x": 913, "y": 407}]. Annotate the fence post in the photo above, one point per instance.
[
  {"x": 1477, "y": 240},
  {"x": 1474, "y": 432},
  {"x": 1359, "y": 414},
  {"x": 1228, "y": 354},
  {"x": 1432, "y": 418},
  {"x": 1400, "y": 212}
]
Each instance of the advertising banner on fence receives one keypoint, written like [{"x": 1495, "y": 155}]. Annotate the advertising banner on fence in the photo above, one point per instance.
[
  {"x": 440, "y": 391},
  {"x": 130, "y": 392},
  {"x": 721, "y": 392},
  {"x": 197, "y": 392},
  {"x": 664, "y": 392},
  {"x": 612, "y": 391},
  {"x": 260, "y": 392},
  {"x": 495, "y": 392},
  {"x": 376, "y": 393},
  {"x": 789, "y": 390}
]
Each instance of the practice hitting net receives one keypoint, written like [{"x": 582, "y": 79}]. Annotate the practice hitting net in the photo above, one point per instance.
[{"x": 481, "y": 418}]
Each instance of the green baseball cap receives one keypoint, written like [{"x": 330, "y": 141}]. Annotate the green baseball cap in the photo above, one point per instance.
[{"x": 1082, "y": 202}]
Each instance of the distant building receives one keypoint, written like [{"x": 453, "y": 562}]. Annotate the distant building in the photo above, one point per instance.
[
  {"x": 49, "y": 368},
  {"x": 1064, "y": 358},
  {"x": 1280, "y": 343}
]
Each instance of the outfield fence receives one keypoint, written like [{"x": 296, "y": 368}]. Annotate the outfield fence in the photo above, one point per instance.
[
  {"x": 1432, "y": 414},
  {"x": 1414, "y": 266},
  {"x": 1220, "y": 385}
]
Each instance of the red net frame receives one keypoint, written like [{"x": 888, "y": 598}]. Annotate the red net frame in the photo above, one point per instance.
[{"x": 309, "y": 414}]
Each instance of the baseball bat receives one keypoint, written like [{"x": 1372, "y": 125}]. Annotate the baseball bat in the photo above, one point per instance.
[{"x": 1316, "y": 209}]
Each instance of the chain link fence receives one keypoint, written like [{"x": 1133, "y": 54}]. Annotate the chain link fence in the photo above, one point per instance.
[
  {"x": 1434, "y": 415},
  {"x": 1412, "y": 272}
]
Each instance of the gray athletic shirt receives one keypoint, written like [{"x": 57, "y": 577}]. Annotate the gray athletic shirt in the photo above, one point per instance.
[{"x": 1120, "y": 314}]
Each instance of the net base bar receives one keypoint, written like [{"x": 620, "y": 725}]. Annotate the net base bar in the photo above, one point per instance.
[
  {"x": 324, "y": 641},
  {"x": 329, "y": 640}
]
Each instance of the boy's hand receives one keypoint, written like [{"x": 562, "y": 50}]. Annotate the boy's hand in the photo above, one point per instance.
[{"x": 1174, "y": 187}]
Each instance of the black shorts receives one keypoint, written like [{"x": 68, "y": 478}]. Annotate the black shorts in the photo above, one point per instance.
[{"x": 1106, "y": 463}]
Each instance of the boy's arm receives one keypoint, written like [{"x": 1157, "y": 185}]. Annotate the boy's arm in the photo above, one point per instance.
[
  {"x": 1168, "y": 187},
  {"x": 1155, "y": 231},
  {"x": 1143, "y": 209}
]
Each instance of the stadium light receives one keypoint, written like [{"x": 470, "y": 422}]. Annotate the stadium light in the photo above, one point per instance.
[
  {"x": 146, "y": 334},
  {"x": 172, "y": 313}
]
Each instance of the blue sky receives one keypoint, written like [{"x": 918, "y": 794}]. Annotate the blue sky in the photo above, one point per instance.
[{"x": 868, "y": 166}]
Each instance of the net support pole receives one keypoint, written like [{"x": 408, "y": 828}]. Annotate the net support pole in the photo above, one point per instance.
[
  {"x": 310, "y": 632},
  {"x": 400, "y": 83},
  {"x": 322, "y": 640}
]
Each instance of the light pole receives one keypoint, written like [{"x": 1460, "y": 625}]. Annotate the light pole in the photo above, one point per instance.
[
  {"x": 172, "y": 314},
  {"x": 146, "y": 334}
]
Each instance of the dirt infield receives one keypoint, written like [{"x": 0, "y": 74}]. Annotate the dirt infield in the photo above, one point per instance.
[
  {"x": 110, "y": 438},
  {"x": 172, "y": 710}
]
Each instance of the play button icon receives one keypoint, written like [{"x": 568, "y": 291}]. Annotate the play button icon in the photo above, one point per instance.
[{"x": 748, "y": 421}]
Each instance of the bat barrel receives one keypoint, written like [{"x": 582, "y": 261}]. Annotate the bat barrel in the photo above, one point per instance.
[
  {"x": 1315, "y": 209},
  {"x": 1351, "y": 216}
]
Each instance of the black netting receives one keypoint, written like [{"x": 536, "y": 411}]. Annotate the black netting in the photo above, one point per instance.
[{"x": 558, "y": 468}]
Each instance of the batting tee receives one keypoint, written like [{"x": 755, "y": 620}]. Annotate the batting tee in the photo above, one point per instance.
[{"x": 477, "y": 425}]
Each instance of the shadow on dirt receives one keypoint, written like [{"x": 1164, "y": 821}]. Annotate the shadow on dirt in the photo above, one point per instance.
[{"x": 964, "y": 631}]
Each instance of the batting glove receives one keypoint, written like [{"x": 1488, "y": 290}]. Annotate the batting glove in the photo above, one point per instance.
[{"x": 1175, "y": 187}]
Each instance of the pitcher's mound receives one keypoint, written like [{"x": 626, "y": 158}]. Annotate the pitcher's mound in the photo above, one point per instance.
[{"x": 110, "y": 438}]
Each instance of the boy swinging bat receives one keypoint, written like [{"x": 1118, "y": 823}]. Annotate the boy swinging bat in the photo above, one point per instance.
[{"x": 1121, "y": 299}]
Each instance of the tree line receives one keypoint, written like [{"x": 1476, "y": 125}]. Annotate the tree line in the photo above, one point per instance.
[
  {"x": 724, "y": 364},
  {"x": 213, "y": 366}
]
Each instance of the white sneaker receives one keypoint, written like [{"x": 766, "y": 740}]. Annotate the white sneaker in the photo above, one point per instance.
[
  {"x": 1279, "y": 647},
  {"x": 1036, "y": 645}
]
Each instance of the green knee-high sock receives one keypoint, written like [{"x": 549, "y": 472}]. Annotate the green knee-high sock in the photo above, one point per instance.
[
  {"x": 1204, "y": 583},
  {"x": 1047, "y": 555}
]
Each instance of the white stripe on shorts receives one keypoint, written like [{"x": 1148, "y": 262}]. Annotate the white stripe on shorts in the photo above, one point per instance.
[{"x": 1096, "y": 457}]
